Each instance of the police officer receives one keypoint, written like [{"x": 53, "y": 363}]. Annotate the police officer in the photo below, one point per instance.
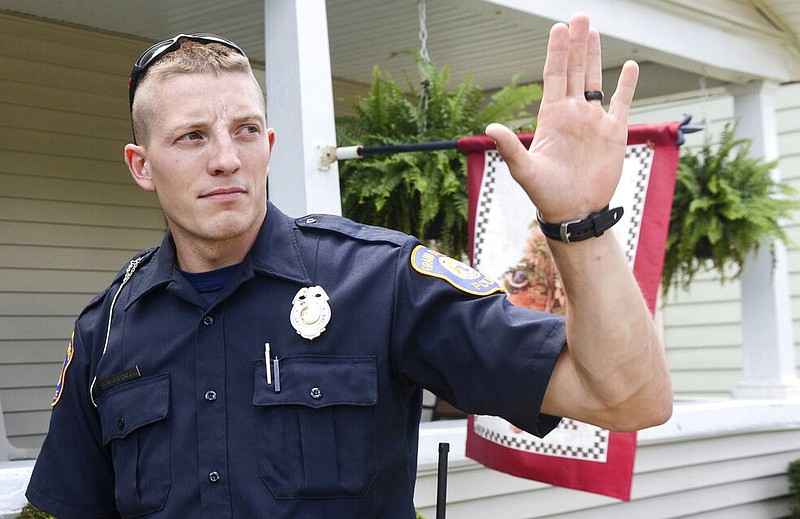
[{"x": 255, "y": 365}]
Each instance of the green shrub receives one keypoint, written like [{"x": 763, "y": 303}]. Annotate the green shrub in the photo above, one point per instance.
[
  {"x": 794, "y": 486},
  {"x": 31, "y": 512}
]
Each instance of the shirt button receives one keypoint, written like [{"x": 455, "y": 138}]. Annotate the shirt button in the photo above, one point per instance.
[
  {"x": 316, "y": 393},
  {"x": 311, "y": 220},
  {"x": 213, "y": 476},
  {"x": 208, "y": 320},
  {"x": 121, "y": 424},
  {"x": 211, "y": 396}
]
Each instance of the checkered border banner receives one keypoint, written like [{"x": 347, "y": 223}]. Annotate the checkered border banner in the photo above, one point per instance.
[
  {"x": 574, "y": 455},
  {"x": 586, "y": 442}
]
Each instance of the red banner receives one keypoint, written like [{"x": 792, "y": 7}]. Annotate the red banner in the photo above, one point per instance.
[{"x": 507, "y": 245}]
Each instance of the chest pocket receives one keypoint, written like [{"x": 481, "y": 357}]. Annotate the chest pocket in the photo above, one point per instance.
[
  {"x": 133, "y": 418},
  {"x": 317, "y": 435}
]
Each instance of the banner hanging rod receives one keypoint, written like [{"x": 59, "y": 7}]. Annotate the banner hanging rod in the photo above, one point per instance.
[{"x": 357, "y": 152}]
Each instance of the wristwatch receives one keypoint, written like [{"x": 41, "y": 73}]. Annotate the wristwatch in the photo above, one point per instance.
[{"x": 592, "y": 226}]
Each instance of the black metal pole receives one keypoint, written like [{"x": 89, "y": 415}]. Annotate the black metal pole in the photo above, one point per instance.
[
  {"x": 355, "y": 152},
  {"x": 441, "y": 481},
  {"x": 399, "y": 148}
]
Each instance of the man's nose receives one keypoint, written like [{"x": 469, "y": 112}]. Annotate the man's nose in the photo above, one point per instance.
[{"x": 224, "y": 158}]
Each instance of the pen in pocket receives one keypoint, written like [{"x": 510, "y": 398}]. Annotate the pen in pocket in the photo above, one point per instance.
[
  {"x": 276, "y": 367},
  {"x": 267, "y": 363}
]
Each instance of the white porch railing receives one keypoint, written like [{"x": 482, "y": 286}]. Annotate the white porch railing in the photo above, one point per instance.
[{"x": 725, "y": 458}]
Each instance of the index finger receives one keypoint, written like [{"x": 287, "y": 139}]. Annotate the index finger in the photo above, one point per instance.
[{"x": 554, "y": 75}]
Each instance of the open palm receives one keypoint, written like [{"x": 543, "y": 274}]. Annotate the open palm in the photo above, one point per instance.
[{"x": 575, "y": 160}]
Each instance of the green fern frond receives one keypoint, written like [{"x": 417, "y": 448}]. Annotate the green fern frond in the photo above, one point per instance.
[
  {"x": 726, "y": 206},
  {"x": 420, "y": 193}
]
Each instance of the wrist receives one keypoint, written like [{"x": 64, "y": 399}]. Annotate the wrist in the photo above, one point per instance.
[{"x": 571, "y": 231}]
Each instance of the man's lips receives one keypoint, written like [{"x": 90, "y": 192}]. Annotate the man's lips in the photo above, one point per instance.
[{"x": 224, "y": 194}]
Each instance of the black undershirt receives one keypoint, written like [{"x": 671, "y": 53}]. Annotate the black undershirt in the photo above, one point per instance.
[{"x": 210, "y": 284}]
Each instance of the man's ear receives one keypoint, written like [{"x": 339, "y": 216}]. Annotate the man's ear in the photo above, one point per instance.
[{"x": 137, "y": 165}]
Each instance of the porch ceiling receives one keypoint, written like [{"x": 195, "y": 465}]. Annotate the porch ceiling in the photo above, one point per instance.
[{"x": 675, "y": 41}]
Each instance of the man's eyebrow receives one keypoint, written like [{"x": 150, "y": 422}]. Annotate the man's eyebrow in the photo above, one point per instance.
[
  {"x": 187, "y": 125},
  {"x": 201, "y": 121},
  {"x": 253, "y": 116}
]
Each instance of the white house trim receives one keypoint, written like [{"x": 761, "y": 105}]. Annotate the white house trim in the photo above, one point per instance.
[
  {"x": 767, "y": 338},
  {"x": 735, "y": 47},
  {"x": 300, "y": 103}
]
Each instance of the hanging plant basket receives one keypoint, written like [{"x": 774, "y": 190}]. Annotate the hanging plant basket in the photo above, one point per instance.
[
  {"x": 727, "y": 205},
  {"x": 423, "y": 194}
]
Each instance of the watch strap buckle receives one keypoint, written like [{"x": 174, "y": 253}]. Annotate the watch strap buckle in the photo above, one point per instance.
[{"x": 592, "y": 226}]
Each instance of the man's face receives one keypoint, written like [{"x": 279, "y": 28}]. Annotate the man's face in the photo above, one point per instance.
[{"x": 206, "y": 156}]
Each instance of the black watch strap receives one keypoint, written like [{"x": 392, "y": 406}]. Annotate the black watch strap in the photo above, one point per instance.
[{"x": 578, "y": 230}]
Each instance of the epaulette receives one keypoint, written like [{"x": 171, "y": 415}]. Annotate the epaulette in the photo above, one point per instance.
[
  {"x": 347, "y": 227},
  {"x": 138, "y": 259}
]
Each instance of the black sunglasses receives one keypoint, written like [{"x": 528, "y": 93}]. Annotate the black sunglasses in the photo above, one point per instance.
[{"x": 163, "y": 48}]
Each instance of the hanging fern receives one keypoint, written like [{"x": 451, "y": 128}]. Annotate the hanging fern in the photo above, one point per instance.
[
  {"x": 726, "y": 206},
  {"x": 424, "y": 194}
]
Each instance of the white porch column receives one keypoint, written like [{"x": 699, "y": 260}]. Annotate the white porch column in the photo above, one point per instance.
[
  {"x": 300, "y": 106},
  {"x": 768, "y": 343}
]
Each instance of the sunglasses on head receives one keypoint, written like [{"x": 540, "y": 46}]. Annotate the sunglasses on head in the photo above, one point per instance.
[{"x": 163, "y": 48}]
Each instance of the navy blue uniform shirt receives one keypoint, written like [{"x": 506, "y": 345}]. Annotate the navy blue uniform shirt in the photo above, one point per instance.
[{"x": 187, "y": 425}]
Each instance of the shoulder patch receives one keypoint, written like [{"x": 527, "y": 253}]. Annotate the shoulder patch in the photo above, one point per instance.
[
  {"x": 465, "y": 278},
  {"x": 63, "y": 375}
]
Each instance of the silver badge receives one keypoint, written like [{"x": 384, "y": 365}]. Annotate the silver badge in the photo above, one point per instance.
[{"x": 310, "y": 312}]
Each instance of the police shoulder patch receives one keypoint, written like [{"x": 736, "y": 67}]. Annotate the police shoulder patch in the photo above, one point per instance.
[
  {"x": 67, "y": 361},
  {"x": 465, "y": 278}
]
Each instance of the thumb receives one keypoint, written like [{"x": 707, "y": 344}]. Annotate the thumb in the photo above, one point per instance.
[{"x": 508, "y": 145}]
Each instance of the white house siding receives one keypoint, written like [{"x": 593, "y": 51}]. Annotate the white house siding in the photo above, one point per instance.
[
  {"x": 70, "y": 216},
  {"x": 788, "y": 116},
  {"x": 702, "y": 326}
]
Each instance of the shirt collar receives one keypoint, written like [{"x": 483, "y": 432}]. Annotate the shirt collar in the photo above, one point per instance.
[{"x": 275, "y": 253}]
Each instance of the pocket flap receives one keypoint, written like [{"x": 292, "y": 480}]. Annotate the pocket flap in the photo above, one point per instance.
[
  {"x": 132, "y": 405},
  {"x": 319, "y": 381}
]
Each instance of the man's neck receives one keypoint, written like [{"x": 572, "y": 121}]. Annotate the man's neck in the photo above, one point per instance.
[{"x": 205, "y": 255}]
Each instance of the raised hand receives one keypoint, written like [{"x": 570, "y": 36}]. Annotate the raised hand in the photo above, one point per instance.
[{"x": 575, "y": 160}]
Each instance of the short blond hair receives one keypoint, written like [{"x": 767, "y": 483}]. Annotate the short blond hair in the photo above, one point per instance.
[{"x": 190, "y": 57}]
